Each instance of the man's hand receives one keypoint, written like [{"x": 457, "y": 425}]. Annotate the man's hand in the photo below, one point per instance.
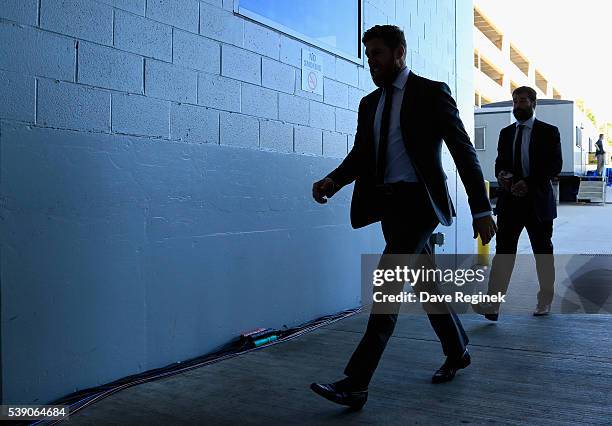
[
  {"x": 504, "y": 179},
  {"x": 519, "y": 189},
  {"x": 485, "y": 227},
  {"x": 322, "y": 189}
]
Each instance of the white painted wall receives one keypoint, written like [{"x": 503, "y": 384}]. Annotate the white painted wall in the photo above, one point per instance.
[
  {"x": 493, "y": 120},
  {"x": 156, "y": 164}
]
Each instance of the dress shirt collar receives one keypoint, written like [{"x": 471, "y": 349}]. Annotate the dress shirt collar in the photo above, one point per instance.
[
  {"x": 527, "y": 123},
  {"x": 402, "y": 77}
]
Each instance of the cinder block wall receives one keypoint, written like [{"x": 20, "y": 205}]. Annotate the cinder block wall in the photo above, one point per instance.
[{"x": 156, "y": 164}]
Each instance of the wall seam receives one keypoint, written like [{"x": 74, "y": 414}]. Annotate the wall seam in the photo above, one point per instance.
[
  {"x": 35, "y": 101},
  {"x": 110, "y": 118},
  {"x": 456, "y": 171},
  {"x": 76, "y": 60},
  {"x": 113, "y": 36}
]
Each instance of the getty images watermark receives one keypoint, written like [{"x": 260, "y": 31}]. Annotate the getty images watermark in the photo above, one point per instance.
[
  {"x": 430, "y": 277},
  {"x": 575, "y": 283}
]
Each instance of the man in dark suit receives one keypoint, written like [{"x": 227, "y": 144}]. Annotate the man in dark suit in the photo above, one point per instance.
[
  {"x": 528, "y": 157},
  {"x": 399, "y": 181}
]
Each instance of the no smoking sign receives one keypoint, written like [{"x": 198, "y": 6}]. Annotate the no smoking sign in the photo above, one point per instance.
[
  {"x": 312, "y": 72},
  {"x": 312, "y": 81}
]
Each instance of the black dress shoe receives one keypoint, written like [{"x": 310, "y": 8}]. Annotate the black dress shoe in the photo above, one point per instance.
[
  {"x": 491, "y": 317},
  {"x": 342, "y": 394},
  {"x": 487, "y": 310},
  {"x": 450, "y": 367}
]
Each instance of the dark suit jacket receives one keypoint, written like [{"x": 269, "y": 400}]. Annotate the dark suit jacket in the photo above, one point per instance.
[
  {"x": 545, "y": 163},
  {"x": 428, "y": 115}
]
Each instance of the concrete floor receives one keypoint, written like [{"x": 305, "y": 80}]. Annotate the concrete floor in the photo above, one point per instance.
[
  {"x": 525, "y": 370},
  {"x": 579, "y": 228}
]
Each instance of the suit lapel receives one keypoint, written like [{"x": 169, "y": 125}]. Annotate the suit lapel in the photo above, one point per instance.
[
  {"x": 509, "y": 146},
  {"x": 370, "y": 115},
  {"x": 409, "y": 92},
  {"x": 532, "y": 141},
  {"x": 407, "y": 110},
  {"x": 371, "y": 112}
]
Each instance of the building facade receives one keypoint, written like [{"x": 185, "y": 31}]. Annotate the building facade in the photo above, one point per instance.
[
  {"x": 157, "y": 158},
  {"x": 500, "y": 66}
]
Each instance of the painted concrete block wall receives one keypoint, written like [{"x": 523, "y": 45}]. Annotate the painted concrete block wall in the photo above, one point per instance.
[
  {"x": 464, "y": 94},
  {"x": 156, "y": 165}
]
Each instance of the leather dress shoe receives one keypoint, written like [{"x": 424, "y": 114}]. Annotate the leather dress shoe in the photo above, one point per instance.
[
  {"x": 341, "y": 394},
  {"x": 541, "y": 310},
  {"x": 450, "y": 367},
  {"x": 486, "y": 309}
]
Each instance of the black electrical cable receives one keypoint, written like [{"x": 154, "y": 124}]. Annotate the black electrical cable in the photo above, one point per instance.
[{"x": 86, "y": 397}]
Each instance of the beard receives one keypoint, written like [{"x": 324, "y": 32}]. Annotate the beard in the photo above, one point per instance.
[
  {"x": 522, "y": 114},
  {"x": 381, "y": 80},
  {"x": 386, "y": 75},
  {"x": 378, "y": 81}
]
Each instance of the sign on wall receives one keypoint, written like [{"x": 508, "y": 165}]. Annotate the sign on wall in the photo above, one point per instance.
[{"x": 312, "y": 72}]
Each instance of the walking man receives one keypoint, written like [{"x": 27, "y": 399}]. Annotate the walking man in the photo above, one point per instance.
[
  {"x": 399, "y": 180},
  {"x": 528, "y": 157}
]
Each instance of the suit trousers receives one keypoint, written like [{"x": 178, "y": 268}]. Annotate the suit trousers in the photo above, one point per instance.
[
  {"x": 408, "y": 220},
  {"x": 600, "y": 164},
  {"x": 519, "y": 213}
]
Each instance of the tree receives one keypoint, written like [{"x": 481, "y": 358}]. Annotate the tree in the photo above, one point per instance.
[
  {"x": 587, "y": 111},
  {"x": 591, "y": 116}
]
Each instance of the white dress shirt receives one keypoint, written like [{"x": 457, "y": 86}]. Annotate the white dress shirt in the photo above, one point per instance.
[
  {"x": 399, "y": 167},
  {"x": 524, "y": 143}
]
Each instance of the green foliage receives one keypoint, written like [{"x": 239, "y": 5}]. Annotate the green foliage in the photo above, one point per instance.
[{"x": 591, "y": 117}]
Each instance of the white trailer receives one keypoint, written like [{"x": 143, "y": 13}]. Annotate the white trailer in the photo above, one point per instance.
[{"x": 578, "y": 137}]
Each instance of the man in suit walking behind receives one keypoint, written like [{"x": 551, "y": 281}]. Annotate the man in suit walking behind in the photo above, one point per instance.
[
  {"x": 399, "y": 181},
  {"x": 528, "y": 157}
]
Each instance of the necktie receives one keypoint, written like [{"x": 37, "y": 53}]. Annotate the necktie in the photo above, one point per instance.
[
  {"x": 384, "y": 136},
  {"x": 518, "y": 159}
]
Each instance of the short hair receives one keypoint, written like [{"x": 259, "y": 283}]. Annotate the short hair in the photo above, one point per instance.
[
  {"x": 531, "y": 94},
  {"x": 391, "y": 35}
]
